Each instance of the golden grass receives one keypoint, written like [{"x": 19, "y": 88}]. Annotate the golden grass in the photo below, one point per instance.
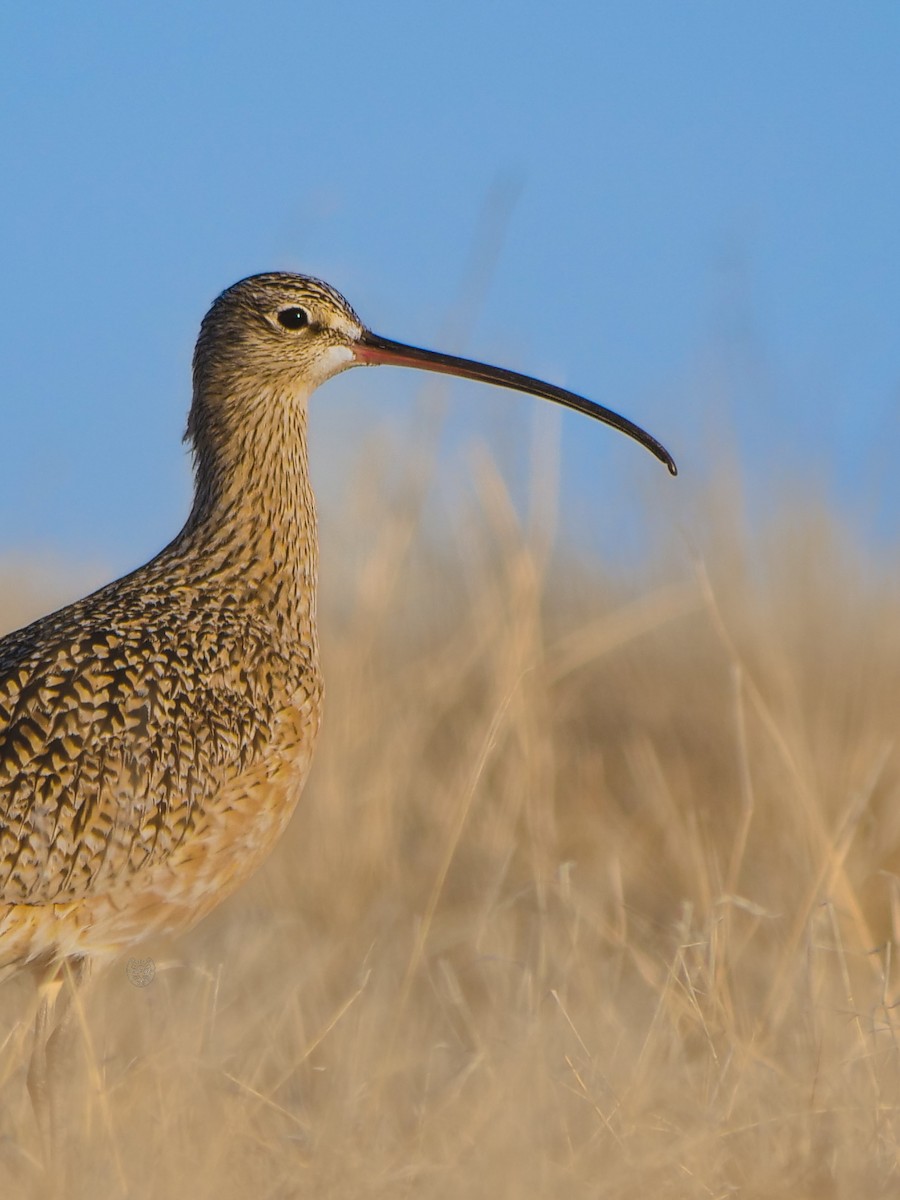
[{"x": 593, "y": 893}]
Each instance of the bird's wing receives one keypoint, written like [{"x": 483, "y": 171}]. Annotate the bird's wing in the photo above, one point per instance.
[{"x": 109, "y": 745}]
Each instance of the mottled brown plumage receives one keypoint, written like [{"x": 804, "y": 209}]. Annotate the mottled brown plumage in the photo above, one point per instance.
[{"x": 155, "y": 736}]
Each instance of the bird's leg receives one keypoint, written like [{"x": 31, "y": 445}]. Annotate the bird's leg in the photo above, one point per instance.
[
  {"x": 38, "y": 1075},
  {"x": 48, "y": 1073}
]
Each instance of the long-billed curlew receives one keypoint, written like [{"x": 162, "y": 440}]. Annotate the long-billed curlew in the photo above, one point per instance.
[{"x": 155, "y": 736}]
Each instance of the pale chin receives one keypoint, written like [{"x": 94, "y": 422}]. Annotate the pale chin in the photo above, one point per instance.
[{"x": 334, "y": 360}]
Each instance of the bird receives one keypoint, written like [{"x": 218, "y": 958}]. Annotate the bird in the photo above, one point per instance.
[{"x": 155, "y": 736}]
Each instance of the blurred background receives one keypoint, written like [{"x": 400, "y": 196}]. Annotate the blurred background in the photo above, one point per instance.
[
  {"x": 686, "y": 211},
  {"x": 594, "y": 890}
]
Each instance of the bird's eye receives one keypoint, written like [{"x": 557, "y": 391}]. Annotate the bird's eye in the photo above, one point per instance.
[{"x": 293, "y": 318}]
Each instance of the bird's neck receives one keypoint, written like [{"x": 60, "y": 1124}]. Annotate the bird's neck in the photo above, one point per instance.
[{"x": 252, "y": 529}]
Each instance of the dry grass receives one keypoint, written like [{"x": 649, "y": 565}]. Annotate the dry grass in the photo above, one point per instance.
[{"x": 593, "y": 893}]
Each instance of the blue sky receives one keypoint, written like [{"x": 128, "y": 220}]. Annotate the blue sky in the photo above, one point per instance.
[{"x": 687, "y": 211}]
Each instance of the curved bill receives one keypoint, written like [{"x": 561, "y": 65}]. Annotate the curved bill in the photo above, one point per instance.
[{"x": 374, "y": 350}]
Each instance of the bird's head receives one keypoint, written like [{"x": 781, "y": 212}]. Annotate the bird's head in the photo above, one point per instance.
[
  {"x": 287, "y": 332},
  {"x": 274, "y": 338}
]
